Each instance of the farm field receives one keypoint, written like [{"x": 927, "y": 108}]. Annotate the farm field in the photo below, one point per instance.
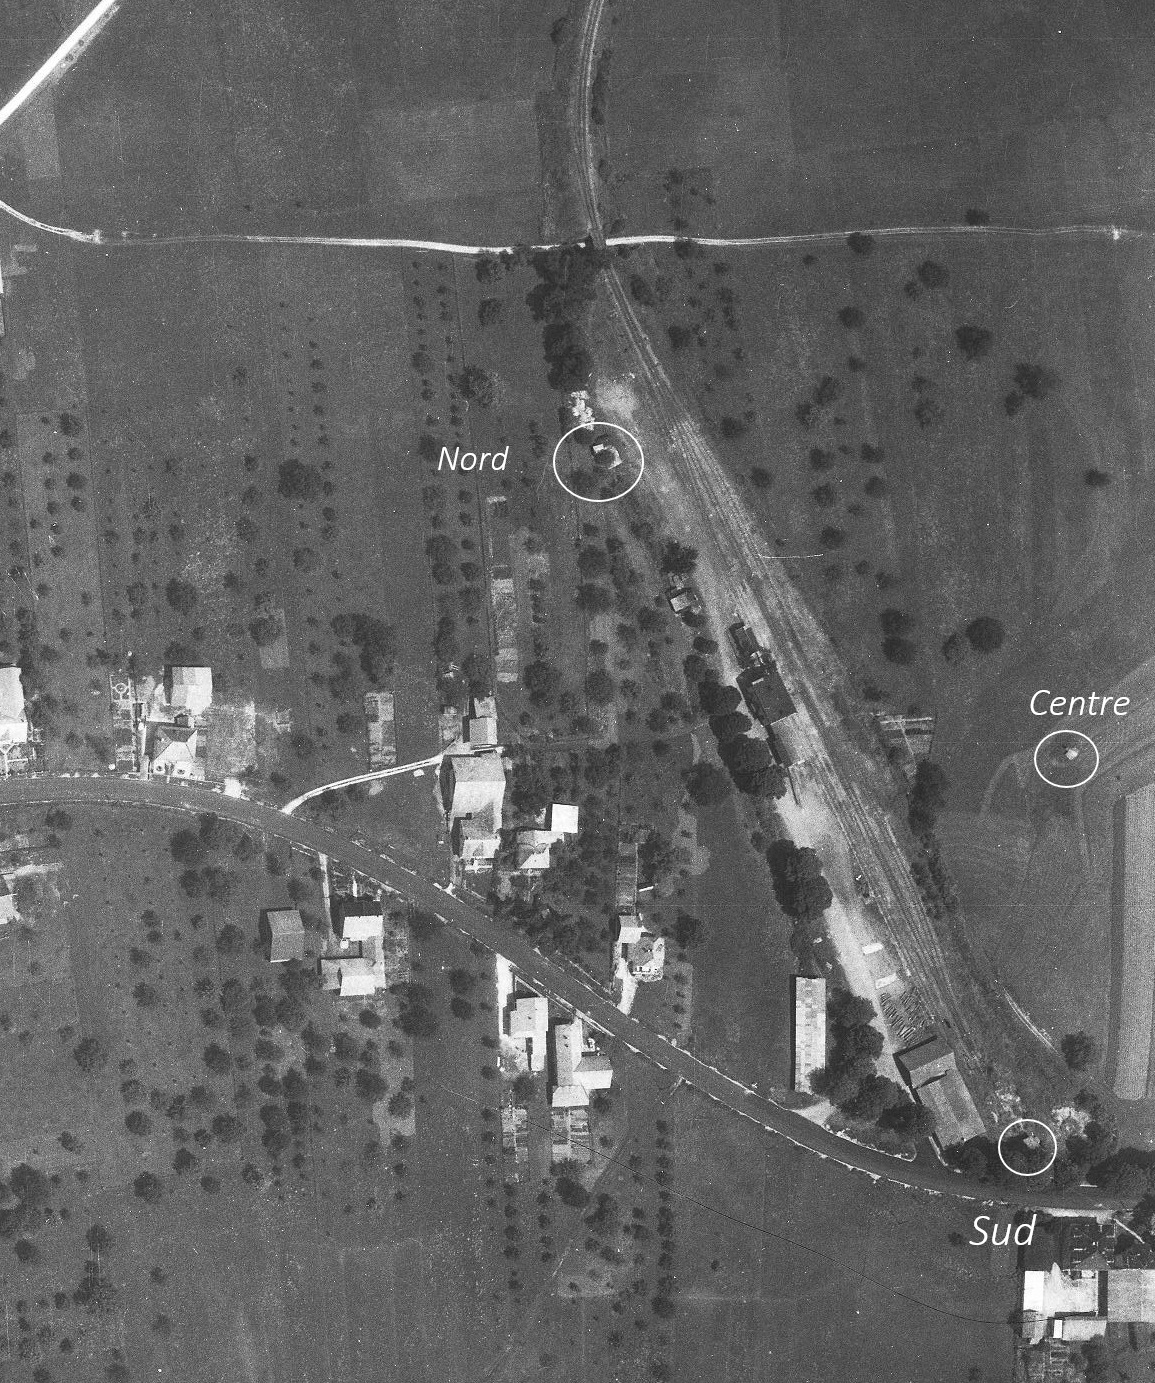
[
  {"x": 799, "y": 117},
  {"x": 284, "y": 118}
]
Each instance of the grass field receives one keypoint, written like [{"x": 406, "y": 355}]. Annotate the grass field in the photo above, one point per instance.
[
  {"x": 1137, "y": 962},
  {"x": 818, "y": 116}
]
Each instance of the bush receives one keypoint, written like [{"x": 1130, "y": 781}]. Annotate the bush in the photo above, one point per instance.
[
  {"x": 489, "y": 311},
  {"x": 985, "y": 634},
  {"x": 90, "y": 1054},
  {"x": 973, "y": 341},
  {"x": 1096, "y": 479},
  {"x": 147, "y": 1187},
  {"x": 181, "y": 596},
  {"x": 799, "y": 884},
  {"x": 600, "y": 687},
  {"x": 299, "y": 481},
  {"x": 852, "y": 318},
  {"x": 860, "y": 243},
  {"x": 707, "y": 785},
  {"x": 217, "y": 1059},
  {"x": 476, "y": 385},
  {"x": 932, "y": 275},
  {"x": 678, "y": 559},
  {"x": 901, "y": 652},
  {"x": 1078, "y": 1050},
  {"x": 927, "y": 797}
]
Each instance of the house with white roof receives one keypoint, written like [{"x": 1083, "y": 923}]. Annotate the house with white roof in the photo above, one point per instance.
[
  {"x": 175, "y": 751},
  {"x": 578, "y": 1067},
  {"x": 13, "y": 721},
  {"x": 473, "y": 791},
  {"x": 528, "y": 1025},
  {"x": 563, "y": 819},
  {"x": 189, "y": 689}
]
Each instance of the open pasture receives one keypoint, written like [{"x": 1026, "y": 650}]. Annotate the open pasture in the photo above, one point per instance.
[{"x": 835, "y": 115}]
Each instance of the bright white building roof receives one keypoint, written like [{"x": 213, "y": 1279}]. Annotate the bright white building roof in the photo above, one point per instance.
[
  {"x": 529, "y": 1023},
  {"x": 485, "y": 707},
  {"x": 482, "y": 730},
  {"x": 192, "y": 688},
  {"x": 533, "y": 850},
  {"x": 579, "y": 1067},
  {"x": 13, "y": 722},
  {"x": 563, "y": 819},
  {"x": 1056, "y": 1293}
]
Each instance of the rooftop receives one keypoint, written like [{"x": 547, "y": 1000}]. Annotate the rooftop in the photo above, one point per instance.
[
  {"x": 286, "y": 934},
  {"x": 563, "y": 819}
]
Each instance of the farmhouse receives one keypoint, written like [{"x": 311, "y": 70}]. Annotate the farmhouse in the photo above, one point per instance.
[
  {"x": 933, "y": 1074},
  {"x": 360, "y": 919},
  {"x": 352, "y": 977},
  {"x": 13, "y": 721},
  {"x": 473, "y": 790},
  {"x": 1076, "y": 1302},
  {"x": 809, "y": 1029},
  {"x": 578, "y": 1067},
  {"x": 357, "y": 966},
  {"x": 528, "y": 1024},
  {"x": 176, "y": 751},
  {"x": 286, "y": 934},
  {"x": 641, "y": 952}
]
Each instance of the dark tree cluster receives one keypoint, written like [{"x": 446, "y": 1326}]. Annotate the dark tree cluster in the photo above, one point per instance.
[{"x": 567, "y": 284}]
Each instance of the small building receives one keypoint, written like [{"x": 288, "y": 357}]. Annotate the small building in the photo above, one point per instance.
[
  {"x": 176, "y": 751},
  {"x": 474, "y": 839},
  {"x": 606, "y": 457},
  {"x": 360, "y": 919},
  {"x": 630, "y": 930},
  {"x": 626, "y": 878},
  {"x": 286, "y": 934},
  {"x": 481, "y": 730},
  {"x": 8, "y": 911},
  {"x": 809, "y": 1029},
  {"x": 766, "y": 695},
  {"x": 13, "y": 721},
  {"x": 563, "y": 819},
  {"x": 351, "y": 977},
  {"x": 481, "y": 726},
  {"x": 189, "y": 689},
  {"x": 926, "y": 1062},
  {"x": 533, "y": 851},
  {"x": 685, "y": 601},
  {"x": 472, "y": 783},
  {"x": 933, "y": 1075},
  {"x": 578, "y": 1067},
  {"x": 528, "y": 1028},
  {"x": 646, "y": 957},
  {"x": 745, "y": 644}
]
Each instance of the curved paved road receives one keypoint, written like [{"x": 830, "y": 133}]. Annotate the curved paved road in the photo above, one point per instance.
[{"x": 551, "y": 976}]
